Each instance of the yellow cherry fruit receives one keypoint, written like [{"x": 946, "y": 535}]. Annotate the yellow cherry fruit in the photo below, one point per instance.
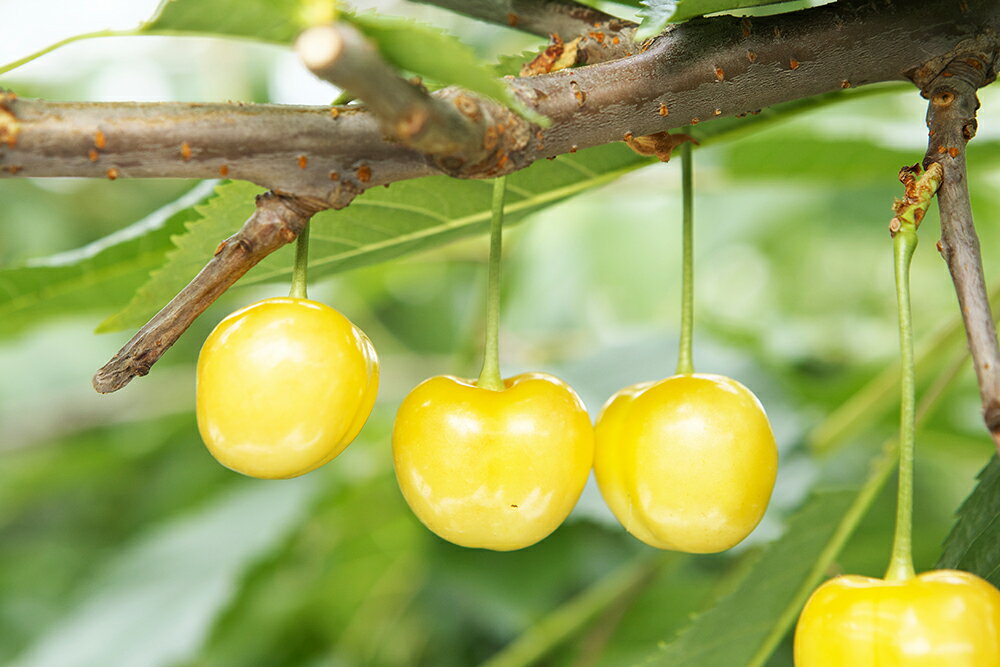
[
  {"x": 284, "y": 385},
  {"x": 492, "y": 469},
  {"x": 687, "y": 463},
  {"x": 942, "y": 618}
]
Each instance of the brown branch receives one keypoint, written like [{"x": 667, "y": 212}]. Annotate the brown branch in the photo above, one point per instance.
[
  {"x": 602, "y": 37},
  {"x": 951, "y": 119},
  {"x": 317, "y": 152},
  {"x": 701, "y": 70},
  {"x": 343, "y": 56},
  {"x": 278, "y": 220}
]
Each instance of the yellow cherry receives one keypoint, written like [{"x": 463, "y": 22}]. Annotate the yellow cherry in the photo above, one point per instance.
[
  {"x": 284, "y": 385},
  {"x": 687, "y": 463},
  {"x": 492, "y": 469},
  {"x": 942, "y": 618}
]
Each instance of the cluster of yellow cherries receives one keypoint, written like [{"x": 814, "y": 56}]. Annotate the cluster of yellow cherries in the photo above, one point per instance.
[{"x": 686, "y": 463}]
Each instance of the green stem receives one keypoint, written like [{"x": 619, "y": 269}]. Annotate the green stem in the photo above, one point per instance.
[
  {"x": 685, "y": 357},
  {"x": 301, "y": 268},
  {"x": 901, "y": 561},
  {"x": 489, "y": 377}
]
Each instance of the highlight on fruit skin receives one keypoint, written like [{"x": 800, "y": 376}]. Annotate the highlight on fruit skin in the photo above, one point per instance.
[
  {"x": 491, "y": 469},
  {"x": 284, "y": 385},
  {"x": 941, "y": 618},
  {"x": 687, "y": 463}
]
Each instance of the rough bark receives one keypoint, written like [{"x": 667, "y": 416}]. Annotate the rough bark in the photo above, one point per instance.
[
  {"x": 704, "y": 69},
  {"x": 951, "y": 120}
]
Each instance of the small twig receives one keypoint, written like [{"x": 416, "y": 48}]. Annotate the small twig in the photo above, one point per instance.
[
  {"x": 343, "y": 56},
  {"x": 602, "y": 36},
  {"x": 951, "y": 119},
  {"x": 278, "y": 220}
]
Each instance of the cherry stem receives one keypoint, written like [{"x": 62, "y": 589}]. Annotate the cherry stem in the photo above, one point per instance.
[
  {"x": 489, "y": 377},
  {"x": 685, "y": 356},
  {"x": 901, "y": 561},
  {"x": 301, "y": 267}
]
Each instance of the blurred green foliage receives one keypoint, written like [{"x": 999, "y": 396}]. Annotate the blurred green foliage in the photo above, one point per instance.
[{"x": 123, "y": 543}]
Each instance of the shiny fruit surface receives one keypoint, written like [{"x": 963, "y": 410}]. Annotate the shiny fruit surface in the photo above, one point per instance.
[
  {"x": 492, "y": 469},
  {"x": 686, "y": 463},
  {"x": 284, "y": 385},
  {"x": 942, "y": 618}
]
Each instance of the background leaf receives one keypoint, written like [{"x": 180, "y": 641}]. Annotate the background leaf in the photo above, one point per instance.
[
  {"x": 204, "y": 227},
  {"x": 974, "y": 542},
  {"x": 733, "y": 630},
  {"x": 381, "y": 224},
  {"x": 182, "y": 574},
  {"x": 100, "y": 275}
]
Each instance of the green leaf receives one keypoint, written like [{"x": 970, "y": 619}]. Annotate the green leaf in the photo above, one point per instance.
[
  {"x": 266, "y": 20},
  {"x": 438, "y": 55},
  {"x": 203, "y": 228},
  {"x": 656, "y": 14},
  {"x": 153, "y": 604},
  {"x": 411, "y": 216},
  {"x": 974, "y": 542},
  {"x": 98, "y": 276},
  {"x": 406, "y": 44},
  {"x": 745, "y": 626}
]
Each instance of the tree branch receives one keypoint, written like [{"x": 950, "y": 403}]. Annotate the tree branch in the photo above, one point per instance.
[
  {"x": 951, "y": 119},
  {"x": 278, "y": 220},
  {"x": 602, "y": 36},
  {"x": 343, "y": 56},
  {"x": 322, "y": 153},
  {"x": 703, "y": 69},
  {"x": 315, "y": 158}
]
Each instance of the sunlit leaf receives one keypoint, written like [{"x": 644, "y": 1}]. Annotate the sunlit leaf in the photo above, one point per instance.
[{"x": 408, "y": 45}]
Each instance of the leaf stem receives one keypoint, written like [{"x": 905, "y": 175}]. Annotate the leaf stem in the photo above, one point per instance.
[
  {"x": 489, "y": 377},
  {"x": 300, "y": 270},
  {"x": 685, "y": 357},
  {"x": 901, "y": 561}
]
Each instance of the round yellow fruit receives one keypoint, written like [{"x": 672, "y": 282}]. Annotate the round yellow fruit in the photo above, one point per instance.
[
  {"x": 687, "y": 463},
  {"x": 942, "y": 618},
  {"x": 284, "y": 385},
  {"x": 492, "y": 469}
]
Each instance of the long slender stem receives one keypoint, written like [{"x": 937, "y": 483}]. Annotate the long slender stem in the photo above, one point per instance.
[
  {"x": 300, "y": 270},
  {"x": 901, "y": 561},
  {"x": 489, "y": 377},
  {"x": 685, "y": 356}
]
